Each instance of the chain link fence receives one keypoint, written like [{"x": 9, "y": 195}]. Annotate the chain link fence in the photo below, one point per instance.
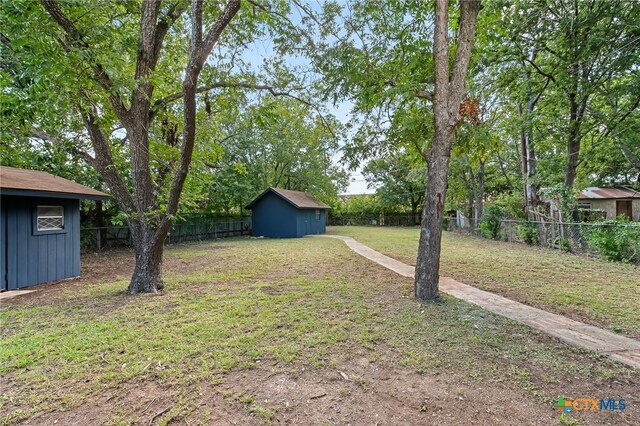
[
  {"x": 614, "y": 240},
  {"x": 576, "y": 237}
]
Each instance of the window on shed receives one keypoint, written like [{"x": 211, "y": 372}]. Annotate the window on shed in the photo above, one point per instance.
[
  {"x": 585, "y": 206},
  {"x": 50, "y": 218},
  {"x": 317, "y": 214}
]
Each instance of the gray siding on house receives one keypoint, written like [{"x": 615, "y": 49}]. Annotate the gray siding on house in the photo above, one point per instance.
[
  {"x": 609, "y": 207},
  {"x": 31, "y": 257}
]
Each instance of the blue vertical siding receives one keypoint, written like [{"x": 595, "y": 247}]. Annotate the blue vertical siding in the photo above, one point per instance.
[
  {"x": 31, "y": 258},
  {"x": 308, "y": 224},
  {"x": 274, "y": 217},
  {"x": 3, "y": 247}
]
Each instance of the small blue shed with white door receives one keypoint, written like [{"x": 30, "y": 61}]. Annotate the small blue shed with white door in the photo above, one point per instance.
[
  {"x": 282, "y": 213},
  {"x": 39, "y": 227}
]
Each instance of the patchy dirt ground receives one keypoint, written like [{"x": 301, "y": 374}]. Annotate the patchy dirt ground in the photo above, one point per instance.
[
  {"x": 403, "y": 364},
  {"x": 355, "y": 392}
]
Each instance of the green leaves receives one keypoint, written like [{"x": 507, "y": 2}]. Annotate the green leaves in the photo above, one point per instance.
[
  {"x": 279, "y": 142},
  {"x": 399, "y": 181},
  {"x": 616, "y": 239}
]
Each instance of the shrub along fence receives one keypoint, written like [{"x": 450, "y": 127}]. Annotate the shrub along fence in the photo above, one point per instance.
[
  {"x": 194, "y": 228},
  {"x": 617, "y": 240}
]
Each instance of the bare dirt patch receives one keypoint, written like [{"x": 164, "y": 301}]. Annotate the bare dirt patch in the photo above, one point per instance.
[
  {"x": 354, "y": 392},
  {"x": 360, "y": 392}
]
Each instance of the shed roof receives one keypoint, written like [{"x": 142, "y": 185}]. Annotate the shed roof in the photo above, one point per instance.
[
  {"x": 15, "y": 181},
  {"x": 298, "y": 199},
  {"x": 596, "y": 192}
]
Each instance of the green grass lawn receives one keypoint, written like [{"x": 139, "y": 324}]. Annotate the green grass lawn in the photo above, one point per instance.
[
  {"x": 588, "y": 289},
  {"x": 237, "y": 312}
]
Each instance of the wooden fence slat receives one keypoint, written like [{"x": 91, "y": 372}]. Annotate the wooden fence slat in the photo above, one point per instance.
[{"x": 201, "y": 229}]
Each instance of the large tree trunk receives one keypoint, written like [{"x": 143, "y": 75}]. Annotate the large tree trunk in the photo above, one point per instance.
[
  {"x": 428, "y": 262},
  {"x": 149, "y": 226},
  {"x": 147, "y": 275},
  {"x": 448, "y": 96},
  {"x": 148, "y": 244}
]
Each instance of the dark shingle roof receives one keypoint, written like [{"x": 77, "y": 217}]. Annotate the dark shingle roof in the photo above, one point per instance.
[
  {"x": 299, "y": 199},
  {"x": 32, "y": 180},
  {"x": 595, "y": 192}
]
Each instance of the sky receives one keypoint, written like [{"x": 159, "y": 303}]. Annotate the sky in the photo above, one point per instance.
[
  {"x": 263, "y": 49},
  {"x": 358, "y": 185}
]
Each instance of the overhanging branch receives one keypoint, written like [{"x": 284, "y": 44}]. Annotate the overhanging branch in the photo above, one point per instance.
[
  {"x": 75, "y": 39},
  {"x": 48, "y": 137},
  {"x": 422, "y": 94},
  {"x": 162, "y": 102}
]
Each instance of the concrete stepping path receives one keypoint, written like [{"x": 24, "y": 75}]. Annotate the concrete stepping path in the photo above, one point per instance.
[
  {"x": 619, "y": 348},
  {"x": 13, "y": 293}
]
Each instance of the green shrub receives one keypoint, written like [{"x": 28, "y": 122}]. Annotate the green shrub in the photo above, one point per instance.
[
  {"x": 528, "y": 233},
  {"x": 616, "y": 239},
  {"x": 563, "y": 244},
  {"x": 490, "y": 222},
  {"x": 511, "y": 204}
]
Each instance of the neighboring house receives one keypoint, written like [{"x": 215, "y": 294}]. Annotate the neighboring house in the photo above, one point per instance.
[
  {"x": 613, "y": 201},
  {"x": 281, "y": 213},
  {"x": 39, "y": 227}
]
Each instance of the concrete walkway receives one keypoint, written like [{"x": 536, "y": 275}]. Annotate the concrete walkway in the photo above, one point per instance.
[
  {"x": 619, "y": 348},
  {"x": 13, "y": 293}
]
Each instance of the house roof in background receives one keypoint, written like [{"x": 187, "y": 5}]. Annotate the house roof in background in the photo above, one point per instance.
[
  {"x": 596, "y": 192},
  {"x": 15, "y": 181},
  {"x": 299, "y": 199}
]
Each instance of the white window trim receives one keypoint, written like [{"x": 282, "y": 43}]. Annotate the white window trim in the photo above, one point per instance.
[{"x": 49, "y": 216}]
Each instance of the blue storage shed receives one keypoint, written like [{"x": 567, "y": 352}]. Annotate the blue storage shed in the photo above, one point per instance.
[
  {"x": 39, "y": 227},
  {"x": 282, "y": 213}
]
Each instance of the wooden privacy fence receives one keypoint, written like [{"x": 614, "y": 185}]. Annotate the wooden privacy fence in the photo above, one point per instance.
[
  {"x": 374, "y": 220},
  {"x": 195, "y": 230}
]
